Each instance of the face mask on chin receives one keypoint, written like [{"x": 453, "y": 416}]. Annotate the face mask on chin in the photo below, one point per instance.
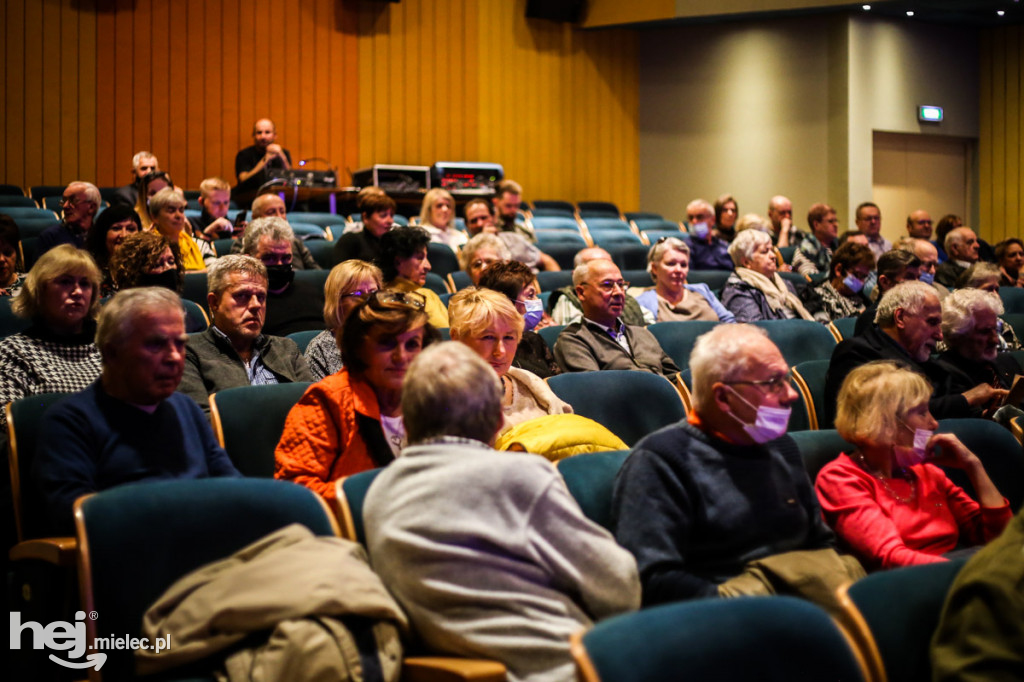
[{"x": 769, "y": 424}]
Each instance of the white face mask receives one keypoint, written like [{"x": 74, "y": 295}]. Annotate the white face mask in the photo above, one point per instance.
[
  {"x": 769, "y": 424},
  {"x": 906, "y": 457}
]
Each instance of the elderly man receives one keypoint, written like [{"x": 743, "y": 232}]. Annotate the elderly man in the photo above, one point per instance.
[
  {"x": 869, "y": 221},
  {"x": 272, "y": 206},
  {"x": 601, "y": 340},
  {"x": 480, "y": 219},
  {"x": 507, "y": 199},
  {"x": 962, "y": 247},
  {"x": 970, "y": 326},
  {"x": 258, "y": 162},
  {"x": 234, "y": 351},
  {"x": 292, "y": 306},
  {"x": 894, "y": 267},
  {"x": 698, "y": 500},
  {"x": 142, "y": 164},
  {"x": 129, "y": 425},
  {"x": 815, "y": 251},
  {"x": 907, "y": 330},
  {"x": 79, "y": 204},
  {"x": 565, "y": 305},
  {"x": 919, "y": 224},
  {"x": 780, "y": 212},
  {"x": 486, "y": 551},
  {"x": 708, "y": 251}
]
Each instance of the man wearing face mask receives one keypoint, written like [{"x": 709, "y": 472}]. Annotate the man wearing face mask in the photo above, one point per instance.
[
  {"x": 707, "y": 250},
  {"x": 698, "y": 500},
  {"x": 292, "y": 305}
]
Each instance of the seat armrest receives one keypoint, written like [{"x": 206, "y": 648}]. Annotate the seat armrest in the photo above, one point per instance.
[
  {"x": 56, "y": 551},
  {"x": 444, "y": 669}
]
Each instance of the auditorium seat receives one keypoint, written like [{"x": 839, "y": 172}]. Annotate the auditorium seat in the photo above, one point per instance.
[
  {"x": 549, "y": 281},
  {"x": 8, "y": 201},
  {"x": 558, "y": 222},
  {"x": 597, "y": 209}
]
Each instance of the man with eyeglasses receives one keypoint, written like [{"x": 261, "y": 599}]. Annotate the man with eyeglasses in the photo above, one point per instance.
[
  {"x": 869, "y": 222},
  {"x": 601, "y": 340},
  {"x": 234, "y": 351},
  {"x": 79, "y": 204},
  {"x": 697, "y": 502}
]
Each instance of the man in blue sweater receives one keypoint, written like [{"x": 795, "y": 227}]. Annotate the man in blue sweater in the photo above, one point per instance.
[{"x": 129, "y": 425}]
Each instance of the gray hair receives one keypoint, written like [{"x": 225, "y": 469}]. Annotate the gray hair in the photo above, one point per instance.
[
  {"x": 142, "y": 156},
  {"x": 960, "y": 308},
  {"x": 582, "y": 271},
  {"x": 974, "y": 276},
  {"x": 451, "y": 391},
  {"x": 722, "y": 354},
  {"x": 581, "y": 256},
  {"x": 743, "y": 246},
  {"x": 908, "y": 296},
  {"x": 168, "y": 196},
  {"x": 119, "y": 315},
  {"x": 218, "y": 271},
  {"x": 276, "y": 228},
  {"x": 483, "y": 240},
  {"x": 956, "y": 236},
  {"x": 92, "y": 193},
  {"x": 657, "y": 252},
  {"x": 700, "y": 203}
]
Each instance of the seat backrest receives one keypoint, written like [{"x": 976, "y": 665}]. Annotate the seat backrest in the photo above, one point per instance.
[
  {"x": 715, "y": 279},
  {"x": 350, "y": 494},
  {"x": 196, "y": 319},
  {"x": 34, "y": 225},
  {"x": 677, "y": 338},
  {"x": 323, "y": 252},
  {"x": 550, "y": 334},
  {"x": 549, "y": 281},
  {"x": 755, "y": 638},
  {"x": 590, "y": 478},
  {"x": 303, "y": 338},
  {"x": 1013, "y": 299},
  {"x": 800, "y": 340},
  {"x": 554, "y": 204},
  {"x": 810, "y": 380},
  {"x": 442, "y": 259},
  {"x": 612, "y": 224},
  {"x": 901, "y": 609},
  {"x": 597, "y": 208},
  {"x": 998, "y": 451},
  {"x": 11, "y": 190},
  {"x": 316, "y": 218},
  {"x": 630, "y": 404},
  {"x": 560, "y": 222},
  {"x": 194, "y": 287},
  {"x": 37, "y": 192},
  {"x": 436, "y": 283},
  {"x": 787, "y": 254},
  {"x": 24, "y": 417},
  {"x": 637, "y": 277},
  {"x": 459, "y": 280},
  {"x": 9, "y": 322},
  {"x": 845, "y": 326},
  {"x": 137, "y": 540},
  {"x": 249, "y": 420},
  {"x": 818, "y": 448},
  {"x": 8, "y": 201},
  {"x": 643, "y": 215}
]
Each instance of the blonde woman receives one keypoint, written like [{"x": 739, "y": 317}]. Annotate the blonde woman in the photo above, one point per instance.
[
  {"x": 347, "y": 285},
  {"x": 437, "y": 217}
]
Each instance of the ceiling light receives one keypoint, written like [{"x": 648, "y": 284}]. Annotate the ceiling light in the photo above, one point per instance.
[
  {"x": 866, "y": 8},
  {"x": 910, "y": 13},
  {"x": 1000, "y": 12}
]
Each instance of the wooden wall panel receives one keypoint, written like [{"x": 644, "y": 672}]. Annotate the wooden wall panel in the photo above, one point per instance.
[{"x": 1001, "y": 144}]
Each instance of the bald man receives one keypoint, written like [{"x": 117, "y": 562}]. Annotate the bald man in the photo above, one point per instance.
[
  {"x": 258, "y": 162},
  {"x": 919, "y": 224}
]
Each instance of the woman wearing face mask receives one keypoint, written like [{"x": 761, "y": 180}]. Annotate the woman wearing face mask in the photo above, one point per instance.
[
  {"x": 145, "y": 260},
  {"x": 671, "y": 298},
  {"x": 519, "y": 284},
  {"x": 842, "y": 294},
  {"x": 888, "y": 501},
  {"x": 487, "y": 322}
]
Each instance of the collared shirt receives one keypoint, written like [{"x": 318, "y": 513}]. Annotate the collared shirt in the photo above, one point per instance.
[
  {"x": 879, "y": 245},
  {"x": 618, "y": 333},
  {"x": 257, "y": 372}
]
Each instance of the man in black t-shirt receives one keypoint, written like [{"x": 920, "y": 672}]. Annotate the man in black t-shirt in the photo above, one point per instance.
[{"x": 259, "y": 162}]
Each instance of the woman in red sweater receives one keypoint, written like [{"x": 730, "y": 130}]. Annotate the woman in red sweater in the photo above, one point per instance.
[{"x": 888, "y": 501}]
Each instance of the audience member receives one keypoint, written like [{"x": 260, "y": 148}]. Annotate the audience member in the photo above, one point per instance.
[
  {"x": 352, "y": 420},
  {"x": 699, "y": 500},
  {"x": 129, "y": 425},
  {"x": 565, "y": 305},
  {"x": 507, "y": 199},
  {"x": 79, "y": 204},
  {"x": 292, "y": 305},
  {"x": 259, "y": 162},
  {"x": 482, "y": 251},
  {"x": 726, "y": 213},
  {"x": 437, "y": 217},
  {"x": 347, "y": 284},
  {"x": 146, "y": 259},
  {"x": 149, "y": 185},
  {"x": 671, "y": 298},
  {"x": 907, "y": 330},
  {"x": 272, "y": 206},
  {"x": 752, "y": 221},
  {"x": 488, "y": 323},
  {"x": 946, "y": 224},
  {"x": 755, "y": 291},
  {"x": 378, "y": 212},
  {"x": 814, "y": 253},
  {"x": 929, "y": 256},
  {"x": 56, "y": 354},
  {"x": 1010, "y": 257},
  {"x": 780, "y": 212},
  {"x": 961, "y": 246},
  {"x": 601, "y": 340},
  {"x": 708, "y": 251},
  {"x": 234, "y": 351},
  {"x": 404, "y": 264},
  {"x": 12, "y": 270},
  {"x": 919, "y": 225},
  {"x": 167, "y": 211},
  {"x": 888, "y": 500},
  {"x": 970, "y": 328},
  {"x": 894, "y": 267},
  {"x": 215, "y": 201},
  {"x": 480, "y": 219},
  {"x": 869, "y": 222},
  {"x": 143, "y": 163},
  {"x": 980, "y": 635},
  {"x": 508, "y": 568},
  {"x": 361, "y": 196},
  {"x": 109, "y": 231},
  {"x": 519, "y": 285},
  {"x": 842, "y": 294}
]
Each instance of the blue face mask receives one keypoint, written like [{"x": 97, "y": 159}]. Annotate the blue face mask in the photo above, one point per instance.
[
  {"x": 700, "y": 230},
  {"x": 854, "y": 284},
  {"x": 927, "y": 277},
  {"x": 534, "y": 312}
]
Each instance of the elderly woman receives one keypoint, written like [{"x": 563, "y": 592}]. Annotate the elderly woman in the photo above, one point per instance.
[
  {"x": 167, "y": 211},
  {"x": 755, "y": 291},
  {"x": 487, "y": 322},
  {"x": 671, "y": 298},
  {"x": 106, "y": 235},
  {"x": 347, "y": 285},
  {"x": 404, "y": 265},
  {"x": 480, "y": 252},
  {"x": 842, "y": 294},
  {"x": 56, "y": 353},
  {"x": 149, "y": 185},
  {"x": 352, "y": 420},
  {"x": 145, "y": 260},
  {"x": 1010, "y": 256},
  {"x": 970, "y": 329},
  {"x": 517, "y": 281},
  {"x": 985, "y": 277},
  {"x": 726, "y": 213},
  {"x": 11, "y": 275},
  {"x": 888, "y": 501},
  {"x": 437, "y": 217}
]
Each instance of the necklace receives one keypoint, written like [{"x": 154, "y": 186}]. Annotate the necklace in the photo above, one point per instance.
[{"x": 908, "y": 475}]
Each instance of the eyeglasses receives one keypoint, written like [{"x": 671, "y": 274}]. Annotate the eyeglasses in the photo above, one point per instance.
[
  {"x": 776, "y": 384},
  {"x": 389, "y": 298},
  {"x": 608, "y": 285},
  {"x": 70, "y": 201},
  {"x": 359, "y": 293}
]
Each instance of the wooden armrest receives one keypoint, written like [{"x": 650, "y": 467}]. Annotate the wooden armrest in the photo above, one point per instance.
[
  {"x": 444, "y": 669},
  {"x": 56, "y": 551}
]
